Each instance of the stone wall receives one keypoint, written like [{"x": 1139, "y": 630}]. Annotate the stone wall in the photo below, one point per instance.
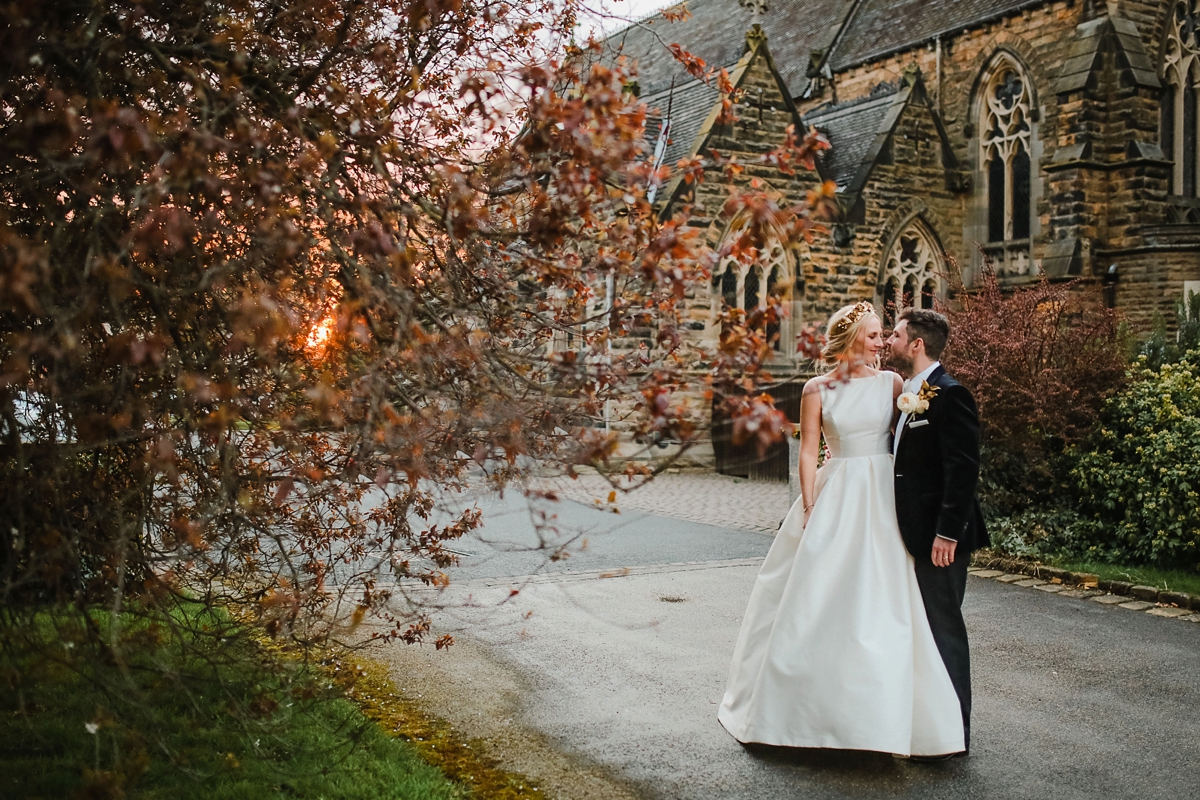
[
  {"x": 763, "y": 117},
  {"x": 1100, "y": 178},
  {"x": 1037, "y": 39},
  {"x": 763, "y": 114},
  {"x": 912, "y": 183}
]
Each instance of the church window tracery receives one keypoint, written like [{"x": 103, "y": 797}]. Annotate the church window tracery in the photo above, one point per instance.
[
  {"x": 1005, "y": 140},
  {"x": 911, "y": 273},
  {"x": 1181, "y": 75},
  {"x": 742, "y": 286},
  {"x": 1006, "y": 152}
]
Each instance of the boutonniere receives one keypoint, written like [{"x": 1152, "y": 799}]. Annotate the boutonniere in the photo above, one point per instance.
[{"x": 914, "y": 403}]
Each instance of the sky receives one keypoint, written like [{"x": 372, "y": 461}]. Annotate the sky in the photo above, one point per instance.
[{"x": 620, "y": 12}]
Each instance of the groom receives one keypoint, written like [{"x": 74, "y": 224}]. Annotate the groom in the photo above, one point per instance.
[{"x": 937, "y": 468}]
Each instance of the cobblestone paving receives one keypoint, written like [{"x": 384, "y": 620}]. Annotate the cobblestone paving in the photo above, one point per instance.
[{"x": 712, "y": 499}]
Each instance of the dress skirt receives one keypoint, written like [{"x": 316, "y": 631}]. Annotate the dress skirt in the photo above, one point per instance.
[{"x": 835, "y": 649}]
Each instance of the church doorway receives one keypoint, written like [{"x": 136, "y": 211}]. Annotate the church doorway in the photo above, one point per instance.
[{"x": 744, "y": 460}]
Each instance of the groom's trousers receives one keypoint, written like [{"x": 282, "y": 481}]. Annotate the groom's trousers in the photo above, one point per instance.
[{"x": 942, "y": 589}]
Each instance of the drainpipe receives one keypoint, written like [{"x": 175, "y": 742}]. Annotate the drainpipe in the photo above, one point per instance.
[
  {"x": 660, "y": 150},
  {"x": 660, "y": 147},
  {"x": 609, "y": 281}
]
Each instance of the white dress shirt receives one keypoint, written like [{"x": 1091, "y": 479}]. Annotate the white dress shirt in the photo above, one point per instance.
[{"x": 913, "y": 384}]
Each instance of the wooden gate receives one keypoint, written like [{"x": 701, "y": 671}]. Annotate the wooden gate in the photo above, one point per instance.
[{"x": 743, "y": 461}]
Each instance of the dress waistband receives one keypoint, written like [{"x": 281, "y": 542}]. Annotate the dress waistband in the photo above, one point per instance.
[
  {"x": 863, "y": 447},
  {"x": 844, "y": 457}
]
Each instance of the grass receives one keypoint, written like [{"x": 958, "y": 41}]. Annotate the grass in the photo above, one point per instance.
[
  {"x": 1169, "y": 580},
  {"x": 230, "y": 723},
  {"x": 435, "y": 740}
]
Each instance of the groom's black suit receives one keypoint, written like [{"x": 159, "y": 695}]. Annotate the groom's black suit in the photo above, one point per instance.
[{"x": 937, "y": 470}]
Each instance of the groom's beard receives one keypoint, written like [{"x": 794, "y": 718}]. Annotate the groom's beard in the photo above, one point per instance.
[{"x": 902, "y": 364}]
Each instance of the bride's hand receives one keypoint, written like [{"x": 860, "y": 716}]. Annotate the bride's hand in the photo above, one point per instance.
[{"x": 807, "y": 513}]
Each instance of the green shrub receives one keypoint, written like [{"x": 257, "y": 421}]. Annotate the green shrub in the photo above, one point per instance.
[
  {"x": 1044, "y": 532},
  {"x": 1013, "y": 482},
  {"x": 1164, "y": 347},
  {"x": 1138, "y": 476}
]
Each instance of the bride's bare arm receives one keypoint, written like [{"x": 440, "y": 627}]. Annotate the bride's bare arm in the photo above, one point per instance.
[
  {"x": 897, "y": 390},
  {"x": 810, "y": 442}
]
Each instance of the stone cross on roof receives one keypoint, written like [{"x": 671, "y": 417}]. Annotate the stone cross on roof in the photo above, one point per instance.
[{"x": 757, "y": 9}]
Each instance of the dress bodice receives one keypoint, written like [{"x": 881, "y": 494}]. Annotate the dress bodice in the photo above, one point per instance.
[{"x": 856, "y": 416}]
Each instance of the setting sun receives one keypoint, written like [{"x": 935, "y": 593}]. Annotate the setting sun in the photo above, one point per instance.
[{"x": 318, "y": 337}]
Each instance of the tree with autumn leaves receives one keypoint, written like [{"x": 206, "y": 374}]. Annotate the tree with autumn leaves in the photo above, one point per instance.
[{"x": 272, "y": 274}]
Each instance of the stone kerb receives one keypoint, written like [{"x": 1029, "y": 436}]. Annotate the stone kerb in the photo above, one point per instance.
[{"x": 1009, "y": 569}]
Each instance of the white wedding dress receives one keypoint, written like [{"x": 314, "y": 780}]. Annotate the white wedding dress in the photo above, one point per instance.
[{"x": 835, "y": 649}]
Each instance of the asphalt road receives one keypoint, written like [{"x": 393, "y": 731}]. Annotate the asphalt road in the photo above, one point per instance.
[
  {"x": 592, "y": 539},
  {"x": 615, "y": 658}
]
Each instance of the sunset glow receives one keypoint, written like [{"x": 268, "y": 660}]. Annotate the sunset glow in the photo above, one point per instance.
[{"x": 318, "y": 337}]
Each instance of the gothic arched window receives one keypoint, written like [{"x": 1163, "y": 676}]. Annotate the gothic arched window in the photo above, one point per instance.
[
  {"x": 911, "y": 273},
  {"x": 1005, "y": 140},
  {"x": 739, "y": 285},
  {"x": 1181, "y": 75},
  {"x": 1005, "y": 113}
]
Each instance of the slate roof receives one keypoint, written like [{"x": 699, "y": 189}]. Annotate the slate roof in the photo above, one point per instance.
[
  {"x": 716, "y": 33},
  {"x": 689, "y": 105},
  {"x": 1085, "y": 53},
  {"x": 880, "y": 27},
  {"x": 847, "y": 32},
  {"x": 858, "y": 30},
  {"x": 851, "y": 129}
]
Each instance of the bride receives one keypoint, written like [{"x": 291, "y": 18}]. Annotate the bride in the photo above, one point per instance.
[{"x": 835, "y": 649}]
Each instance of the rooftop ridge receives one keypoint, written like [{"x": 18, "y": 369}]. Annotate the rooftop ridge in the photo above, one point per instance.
[
  {"x": 985, "y": 13},
  {"x": 715, "y": 31}
]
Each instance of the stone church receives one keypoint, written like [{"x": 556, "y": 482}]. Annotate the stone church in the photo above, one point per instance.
[{"x": 1054, "y": 139}]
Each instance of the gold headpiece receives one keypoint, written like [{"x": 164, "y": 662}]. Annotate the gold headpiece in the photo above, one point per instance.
[{"x": 842, "y": 325}]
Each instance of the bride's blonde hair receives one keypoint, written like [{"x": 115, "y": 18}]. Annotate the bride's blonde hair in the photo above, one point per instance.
[{"x": 842, "y": 331}]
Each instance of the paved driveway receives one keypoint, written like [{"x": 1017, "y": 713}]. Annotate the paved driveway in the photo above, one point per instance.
[{"x": 601, "y": 678}]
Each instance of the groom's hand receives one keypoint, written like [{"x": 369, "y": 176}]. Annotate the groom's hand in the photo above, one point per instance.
[{"x": 943, "y": 552}]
